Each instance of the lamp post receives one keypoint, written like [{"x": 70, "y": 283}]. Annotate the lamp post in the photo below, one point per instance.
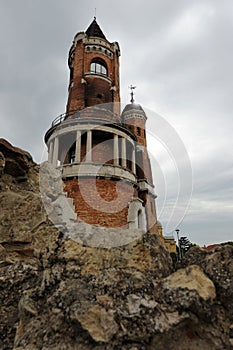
[{"x": 179, "y": 250}]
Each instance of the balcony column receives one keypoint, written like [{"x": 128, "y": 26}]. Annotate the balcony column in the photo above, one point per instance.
[
  {"x": 133, "y": 160},
  {"x": 55, "y": 151},
  {"x": 78, "y": 147},
  {"x": 115, "y": 150},
  {"x": 50, "y": 152},
  {"x": 123, "y": 151},
  {"x": 89, "y": 146}
]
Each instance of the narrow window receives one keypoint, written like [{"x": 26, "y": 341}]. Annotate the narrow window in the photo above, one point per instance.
[{"x": 139, "y": 219}]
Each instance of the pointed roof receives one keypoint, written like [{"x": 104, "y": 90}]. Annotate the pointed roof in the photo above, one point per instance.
[{"x": 95, "y": 30}]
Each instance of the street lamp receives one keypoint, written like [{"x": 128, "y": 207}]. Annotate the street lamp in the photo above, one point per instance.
[{"x": 179, "y": 250}]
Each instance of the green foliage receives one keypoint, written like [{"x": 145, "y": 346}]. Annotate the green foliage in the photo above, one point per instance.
[{"x": 185, "y": 245}]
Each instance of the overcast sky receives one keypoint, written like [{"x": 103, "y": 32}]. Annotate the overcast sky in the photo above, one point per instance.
[{"x": 178, "y": 53}]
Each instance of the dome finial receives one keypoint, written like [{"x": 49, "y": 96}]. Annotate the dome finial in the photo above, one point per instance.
[
  {"x": 95, "y": 14},
  {"x": 131, "y": 87}
]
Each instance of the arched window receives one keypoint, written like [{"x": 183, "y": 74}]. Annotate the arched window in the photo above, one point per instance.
[
  {"x": 137, "y": 215},
  {"x": 98, "y": 66},
  {"x": 139, "y": 219}
]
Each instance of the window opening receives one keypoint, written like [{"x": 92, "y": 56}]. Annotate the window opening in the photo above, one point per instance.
[
  {"x": 72, "y": 156},
  {"x": 139, "y": 219},
  {"x": 98, "y": 66}
]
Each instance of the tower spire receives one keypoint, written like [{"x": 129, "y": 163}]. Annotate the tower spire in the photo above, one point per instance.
[{"x": 95, "y": 30}]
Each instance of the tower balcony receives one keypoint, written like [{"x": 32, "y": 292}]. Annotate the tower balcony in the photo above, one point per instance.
[
  {"x": 83, "y": 147},
  {"x": 94, "y": 115},
  {"x": 98, "y": 75},
  {"x": 96, "y": 170}
]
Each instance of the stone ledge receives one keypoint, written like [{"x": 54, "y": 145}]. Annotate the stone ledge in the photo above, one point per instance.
[{"x": 96, "y": 170}]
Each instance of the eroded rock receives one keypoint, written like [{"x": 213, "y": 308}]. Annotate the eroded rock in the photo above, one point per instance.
[
  {"x": 192, "y": 278},
  {"x": 99, "y": 323}
]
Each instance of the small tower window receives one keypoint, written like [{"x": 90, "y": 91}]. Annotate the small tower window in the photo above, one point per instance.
[
  {"x": 138, "y": 131},
  {"x": 139, "y": 219},
  {"x": 98, "y": 66}
]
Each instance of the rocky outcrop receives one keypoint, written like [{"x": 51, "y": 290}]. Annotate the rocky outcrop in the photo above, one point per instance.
[
  {"x": 2, "y": 163},
  {"x": 192, "y": 278},
  {"x": 56, "y": 293},
  {"x": 218, "y": 266},
  {"x": 17, "y": 161}
]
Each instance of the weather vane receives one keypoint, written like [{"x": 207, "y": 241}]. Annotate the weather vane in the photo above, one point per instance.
[
  {"x": 131, "y": 87},
  {"x": 95, "y": 13}
]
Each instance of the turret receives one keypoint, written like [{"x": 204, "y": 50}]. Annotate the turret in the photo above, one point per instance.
[
  {"x": 94, "y": 70},
  {"x": 134, "y": 117}
]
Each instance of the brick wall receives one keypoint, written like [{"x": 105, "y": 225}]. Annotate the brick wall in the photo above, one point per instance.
[
  {"x": 86, "y": 94},
  {"x": 137, "y": 125},
  {"x": 97, "y": 91},
  {"x": 100, "y": 201},
  {"x": 102, "y": 150},
  {"x": 76, "y": 99}
]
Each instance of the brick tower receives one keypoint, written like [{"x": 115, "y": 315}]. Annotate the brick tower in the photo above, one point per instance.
[{"x": 102, "y": 152}]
